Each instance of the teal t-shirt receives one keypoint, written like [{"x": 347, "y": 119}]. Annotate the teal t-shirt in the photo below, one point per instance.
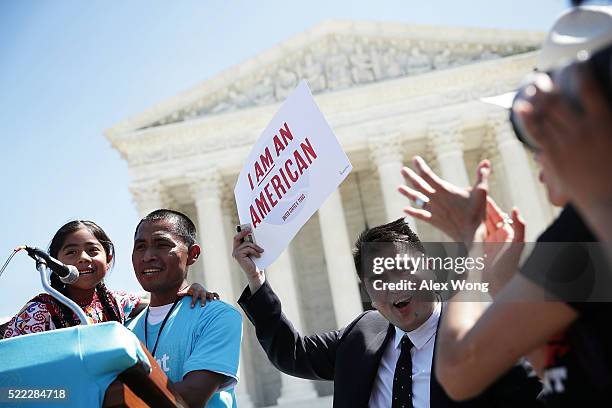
[{"x": 202, "y": 338}]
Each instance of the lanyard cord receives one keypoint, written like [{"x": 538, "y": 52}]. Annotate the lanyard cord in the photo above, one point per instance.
[{"x": 160, "y": 329}]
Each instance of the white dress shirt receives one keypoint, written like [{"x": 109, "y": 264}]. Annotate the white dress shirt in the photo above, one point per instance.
[{"x": 424, "y": 339}]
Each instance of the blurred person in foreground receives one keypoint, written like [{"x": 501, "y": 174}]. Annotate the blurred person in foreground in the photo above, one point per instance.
[
  {"x": 576, "y": 142},
  {"x": 568, "y": 340}
]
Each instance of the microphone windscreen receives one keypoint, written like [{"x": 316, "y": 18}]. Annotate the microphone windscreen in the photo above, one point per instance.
[{"x": 73, "y": 275}]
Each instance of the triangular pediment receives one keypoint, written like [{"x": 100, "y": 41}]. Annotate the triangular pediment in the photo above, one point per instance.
[{"x": 335, "y": 56}]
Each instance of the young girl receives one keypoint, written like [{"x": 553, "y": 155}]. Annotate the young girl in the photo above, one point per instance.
[{"x": 85, "y": 245}]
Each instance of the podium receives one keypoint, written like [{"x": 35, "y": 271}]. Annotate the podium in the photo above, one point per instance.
[{"x": 83, "y": 366}]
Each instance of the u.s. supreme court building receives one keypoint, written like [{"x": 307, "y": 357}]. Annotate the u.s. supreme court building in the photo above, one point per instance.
[{"x": 389, "y": 91}]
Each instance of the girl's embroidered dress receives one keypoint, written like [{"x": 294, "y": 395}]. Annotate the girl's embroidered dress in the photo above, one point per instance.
[{"x": 43, "y": 313}]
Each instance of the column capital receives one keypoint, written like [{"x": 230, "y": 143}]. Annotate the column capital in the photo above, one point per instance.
[
  {"x": 228, "y": 202},
  {"x": 499, "y": 123},
  {"x": 430, "y": 155},
  {"x": 489, "y": 147},
  {"x": 445, "y": 137},
  {"x": 147, "y": 195},
  {"x": 205, "y": 183},
  {"x": 497, "y": 116},
  {"x": 386, "y": 148}
]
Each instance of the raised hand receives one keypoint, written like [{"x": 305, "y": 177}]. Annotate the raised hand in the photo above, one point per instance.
[
  {"x": 242, "y": 253},
  {"x": 459, "y": 212},
  {"x": 503, "y": 246}
]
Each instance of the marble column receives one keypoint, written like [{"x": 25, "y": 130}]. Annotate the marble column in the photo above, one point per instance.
[
  {"x": 520, "y": 181},
  {"x": 386, "y": 152},
  {"x": 281, "y": 276},
  {"x": 446, "y": 142},
  {"x": 206, "y": 190},
  {"x": 148, "y": 196},
  {"x": 243, "y": 399},
  {"x": 343, "y": 280}
]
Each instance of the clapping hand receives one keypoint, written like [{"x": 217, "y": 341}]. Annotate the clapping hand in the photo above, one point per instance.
[
  {"x": 503, "y": 246},
  {"x": 459, "y": 212}
]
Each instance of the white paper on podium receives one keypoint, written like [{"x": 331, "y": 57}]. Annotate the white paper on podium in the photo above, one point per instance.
[{"x": 295, "y": 165}]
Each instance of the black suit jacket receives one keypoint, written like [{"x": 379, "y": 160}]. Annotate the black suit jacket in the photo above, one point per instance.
[{"x": 350, "y": 357}]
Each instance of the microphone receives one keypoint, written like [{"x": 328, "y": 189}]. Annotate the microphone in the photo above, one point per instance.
[{"x": 67, "y": 273}]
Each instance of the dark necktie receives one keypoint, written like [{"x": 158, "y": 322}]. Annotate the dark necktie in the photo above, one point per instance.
[{"x": 402, "y": 379}]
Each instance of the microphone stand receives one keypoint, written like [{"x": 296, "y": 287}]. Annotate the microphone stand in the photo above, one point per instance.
[{"x": 41, "y": 266}]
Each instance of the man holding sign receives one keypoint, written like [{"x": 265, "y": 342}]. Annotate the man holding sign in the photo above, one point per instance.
[{"x": 292, "y": 169}]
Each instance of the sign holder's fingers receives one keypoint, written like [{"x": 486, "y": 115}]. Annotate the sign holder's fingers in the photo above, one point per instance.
[
  {"x": 251, "y": 245},
  {"x": 249, "y": 251},
  {"x": 240, "y": 236}
]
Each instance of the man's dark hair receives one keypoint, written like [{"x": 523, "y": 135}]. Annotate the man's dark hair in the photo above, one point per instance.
[
  {"x": 397, "y": 231},
  {"x": 183, "y": 226}
]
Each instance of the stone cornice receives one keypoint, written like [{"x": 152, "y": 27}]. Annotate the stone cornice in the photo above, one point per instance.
[
  {"x": 368, "y": 106},
  {"x": 333, "y": 56}
]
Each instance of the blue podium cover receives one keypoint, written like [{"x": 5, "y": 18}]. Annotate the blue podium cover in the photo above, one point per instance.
[{"x": 69, "y": 367}]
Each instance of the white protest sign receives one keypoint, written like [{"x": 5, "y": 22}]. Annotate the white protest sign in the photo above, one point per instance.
[{"x": 294, "y": 166}]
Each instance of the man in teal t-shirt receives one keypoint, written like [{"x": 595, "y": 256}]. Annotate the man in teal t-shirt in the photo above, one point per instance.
[
  {"x": 197, "y": 348},
  {"x": 206, "y": 338}
]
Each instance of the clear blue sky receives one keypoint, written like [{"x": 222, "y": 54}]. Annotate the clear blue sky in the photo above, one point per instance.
[{"x": 71, "y": 69}]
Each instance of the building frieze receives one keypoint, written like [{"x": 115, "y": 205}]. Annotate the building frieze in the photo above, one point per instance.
[
  {"x": 336, "y": 56},
  {"x": 339, "y": 62},
  {"x": 375, "y": 103}
]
